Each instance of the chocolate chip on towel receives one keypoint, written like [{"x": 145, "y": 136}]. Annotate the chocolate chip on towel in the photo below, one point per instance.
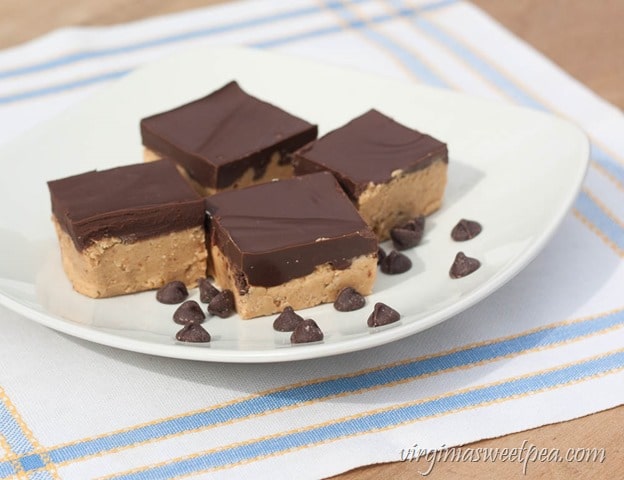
[
  {"x": 222, "y": 305},
  {"x": 307, "y": 331},
  {"x": 409, "y": 234},
  {"x": 287, "y": 321},
  {"x": 193, "y": 332},
  {"x": 173, "y": 292},
  {"x": 465, "y": 230},
  {"x": 383, "y": 315},
  {"x": 207, "y": 291},
  {"x": 189, "y": 312},
  {"x": 463, "y": 266},
  {"x": 348, "y": 300},
  {"x": 395, "y": 263}
]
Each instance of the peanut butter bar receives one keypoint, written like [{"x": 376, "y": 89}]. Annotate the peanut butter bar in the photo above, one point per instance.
[
  {"x": 296, "y": 242},
  {"x": 129, "y": 229},
  {"x": 392, "y": 173},
  {"x": 228, "y": 139}
]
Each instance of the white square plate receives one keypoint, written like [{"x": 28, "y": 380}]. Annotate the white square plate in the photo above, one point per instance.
[{"x": 514, "y": 170}]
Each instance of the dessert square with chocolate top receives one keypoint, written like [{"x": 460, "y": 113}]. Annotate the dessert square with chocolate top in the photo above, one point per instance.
[
  {"x": 228, "y": 139},
  {"x": 391, "y": 172},
  {"x": 295, "y": 242},
  {"x": 129, "y": 229}
]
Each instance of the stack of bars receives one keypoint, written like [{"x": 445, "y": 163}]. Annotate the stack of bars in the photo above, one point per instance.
[{"x": 238, "y": 189}]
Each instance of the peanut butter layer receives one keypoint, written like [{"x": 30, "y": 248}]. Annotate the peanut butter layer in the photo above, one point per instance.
[
  {"x": 219, "y": 137},
  {"x": 322, "y": 285},
  {"x": 110, "y": 267},
  {"x": 278, "y": 231},
  {"x": 406, "y": 196}
]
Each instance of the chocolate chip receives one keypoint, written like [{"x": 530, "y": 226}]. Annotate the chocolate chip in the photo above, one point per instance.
[
  {"x": 207, "y": 291},
  {"x": 394, "y": 263},
  {"x": 341, "y": 264},
  {"x": 383, "y": 315},
  {"x": 348, "y": 300},
  {"x": 260, "y": 168},
  {"x": 287, "y": 321},
  {"x": 189, "y": 312},
  {"x": 381, "y": 254},
  {"x": 307, "y": 331},
  {"x": 222, "y": 305},
  {"x": 285, "y": 157},
  {"x": 419, "y": 221},
  {"x": 463, "y": 266},
  {"x": 409, "y": 234},
  {"x": 173, "y": 292},
  {"x": 240, "y": 280},
  {"x": 404, "y": 238},
  {"x": 465, "y": 230},
  {"x": 193, "y": 332}
]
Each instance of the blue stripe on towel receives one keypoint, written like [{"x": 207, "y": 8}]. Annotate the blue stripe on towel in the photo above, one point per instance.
[
  {"x": 371, "y": 422},
  {"x": 13, "y": 433},
  {"x": 609, "y": 227},
  {"x": 415, "y": 65},
  {"x": 71, "y": 58},
  {"x": 99, "y": 78},
  {"x": 293, "y": 396}
]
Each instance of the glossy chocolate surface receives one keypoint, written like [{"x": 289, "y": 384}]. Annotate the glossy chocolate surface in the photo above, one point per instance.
[
  {"x": 131, "y": 202},
  {"x": 282, "y": 230},
  {"x": 370, "y": 148},
  {"x": 218, "y": 137}
]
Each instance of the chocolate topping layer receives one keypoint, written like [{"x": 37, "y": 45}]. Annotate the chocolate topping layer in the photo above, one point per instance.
[
  {"x": 217, "y": 137},
  {"x": 370, "y": 148},
  {"x": 131, "y": 202},
  {"x": 282, "y": 230}
]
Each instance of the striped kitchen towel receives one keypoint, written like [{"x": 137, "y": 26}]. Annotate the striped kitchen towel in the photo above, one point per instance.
[{"x": 546, "y": 347}]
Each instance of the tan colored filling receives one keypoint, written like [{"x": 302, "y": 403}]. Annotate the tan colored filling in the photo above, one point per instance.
[
  {"x": 320, "y": 286},
  {"x": 274, "y": 170},
  {"x": 407, "y": 195},
  {"x": 110, "y": 267}
]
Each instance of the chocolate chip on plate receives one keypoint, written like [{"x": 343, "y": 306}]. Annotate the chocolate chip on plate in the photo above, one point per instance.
[
  {"x": 383, "y": 315},
  {"x": 409, "y": 234},
  {"x": 348, "y": 300},
  {"x": 307, "y": 331},
  {"x": 207, "y": 291},
  {"x": 395, "y": 263},
  {"x": 287, "y": 321},
  {"x": 419, "y": 222},
  {"x": 465, "y": 230},
  {"x": 171, "y": 293},
  {"x": 189, "y": 312},
  {"x": 381, "y": 254},
  {"x": 193, "y": 332},
  {"x": 222, "y": 305},
  {"x": 463, "y": 266}
]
